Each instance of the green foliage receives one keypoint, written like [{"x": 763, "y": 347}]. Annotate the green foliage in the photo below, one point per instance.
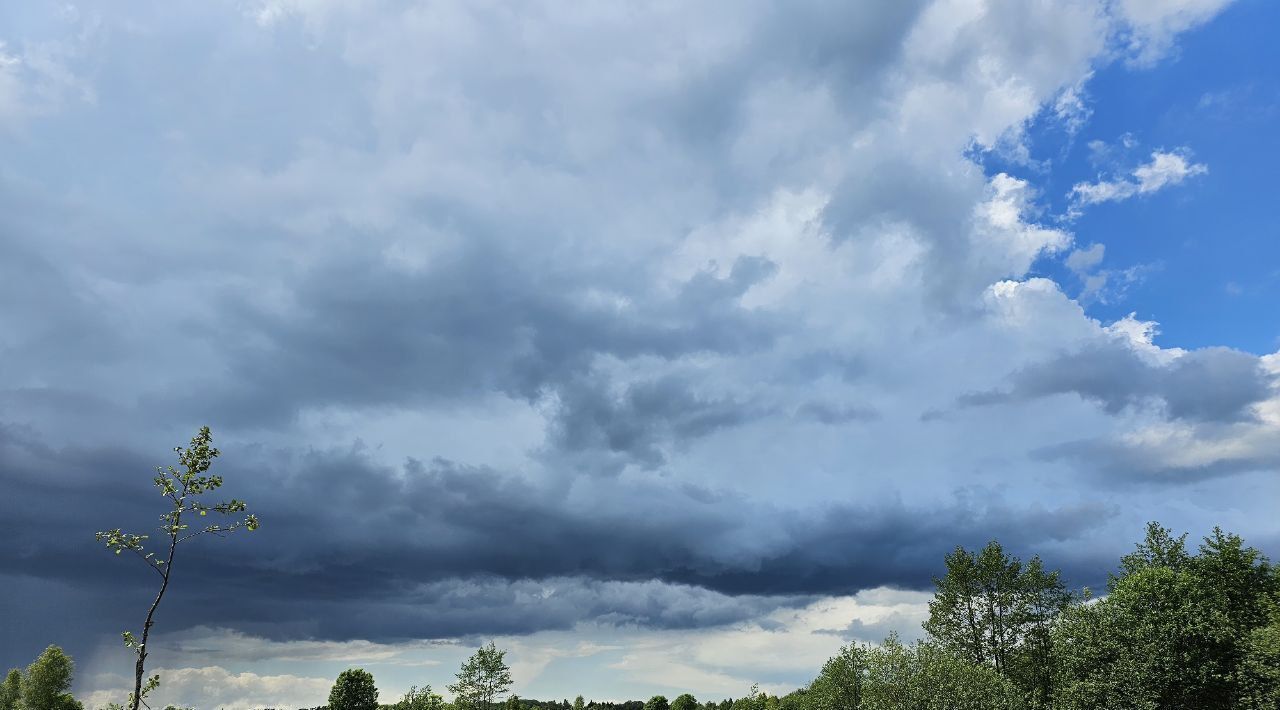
[
  {"x": 755, "y": 700},
  {"x": 657, "y": 702},
  {"x": 1176, "y": 631},
  {"x": 420, "y": 699},
  {"x": 354, "y": 690},
  {"x": 993, "y": 610},
  {"x": 580, "y": 704},
  {"x": 794, "y": 700},
  {"x": 181, "y": 486},
  {"x": 893, "y": 676},
  {"x": 11, "y": 690},
  {"x": 840, "y": 684},
  {"x": 1259, "y": 672},
  {"x": 483, "y": 678},
  {"x": 682, "y": 702},
  {"x": 46, "y": 685},
  {"x": 928, "y": 676}
]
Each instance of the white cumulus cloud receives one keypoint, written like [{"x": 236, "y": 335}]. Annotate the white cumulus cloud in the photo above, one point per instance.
[{"x": 1165, "y": 169}]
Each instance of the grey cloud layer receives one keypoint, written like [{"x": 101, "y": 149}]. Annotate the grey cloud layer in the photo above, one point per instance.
[
  {"x": 358, "y": 550},
  {"x": 1209, "y": 385}
]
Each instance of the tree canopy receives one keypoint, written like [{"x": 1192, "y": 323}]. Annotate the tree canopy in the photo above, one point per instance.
[
  {"x": 1176, "y": 630},
  {"x": 354, "y": 690},
  {"x": 483, "y": 678}
]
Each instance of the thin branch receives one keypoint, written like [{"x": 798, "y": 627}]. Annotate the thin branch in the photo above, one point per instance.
[
  {"x": 150, "y": 563},
  {"x": 218, "y": 531}
]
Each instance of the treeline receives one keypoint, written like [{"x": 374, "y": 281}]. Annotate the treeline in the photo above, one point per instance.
[{"x": 1177, "y": 629}]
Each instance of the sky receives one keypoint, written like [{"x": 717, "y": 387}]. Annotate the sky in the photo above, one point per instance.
[{"x": 668, "y": 345}]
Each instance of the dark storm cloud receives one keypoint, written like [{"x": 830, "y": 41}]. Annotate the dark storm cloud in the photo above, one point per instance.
[
  {"x": 637, "y": 422},
  {"x": 906, "y": 626},
  {"x": 353, "y": 549},
  {"x": 1208, "y": 385},
  {"x": 362, "y": 333},
  {"x": 49, "y": 322}
]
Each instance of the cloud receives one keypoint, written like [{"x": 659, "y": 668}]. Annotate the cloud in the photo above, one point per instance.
[
  {"x": 1165, "y": 169},
  {"x": 1207, "y": 385},
  {"x": 1083, "y": 261},
  {"x": 774, "y": 651},
  {"x": 905, "y": 625},
  {"x": 213, "y": 686},
  {"x": 512, "y": 320},
  {"x": 1071, "y": 107},
  {"x": 1191, "y": 448},
  {"x": 10, "y": 85},
  {"x": 828, "y": 413},
  {"x": 1155, "y": 24},
  {"x": 38, "y": 77},
  {"x": 455, "y": 551}
]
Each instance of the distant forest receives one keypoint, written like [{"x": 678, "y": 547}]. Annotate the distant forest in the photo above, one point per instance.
[{"x": 1176, "y": 629}]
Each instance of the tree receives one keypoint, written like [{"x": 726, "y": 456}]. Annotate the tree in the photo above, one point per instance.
[
  {"x": 992, "y": 610},
  {"x": 1259, "y": 673},
  {"x": 11, "y": 690},
  {"x": 354, "y": 690},
  {"x": 182, "y": 488},
  {"x": 579, "y": 703},
  {"x": 754, "y": 700},
  {"x": 840, "y": 684},
  {"x": 47, "y": 683},
  {"x": 1177, "y": 630},
  {"x": 682, "y": 702},
  {"x": 1158, "y": 549},
  {"x": 657, "y": 702},
  {"x": 928, "y": 676},
  {"x": 795, "y": 700},
  {"x": 420, "y": 699},
  {"x": 483, "y": 678}
]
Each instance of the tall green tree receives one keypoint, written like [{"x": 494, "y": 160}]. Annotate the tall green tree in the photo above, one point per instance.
[
  {"x": 1177, "y": 630},
  {"x": 11, "y": 690},
  {"x": 685, "y": 701},
  {"x": 483, "y": 678},
  {"x": 993, "y": 610},
  {"x": 182, "y": 486},
  {"x": 354, "y": 690},
  {"x": 47, "y": 683},
  {"x": 657, "y": 702}
]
